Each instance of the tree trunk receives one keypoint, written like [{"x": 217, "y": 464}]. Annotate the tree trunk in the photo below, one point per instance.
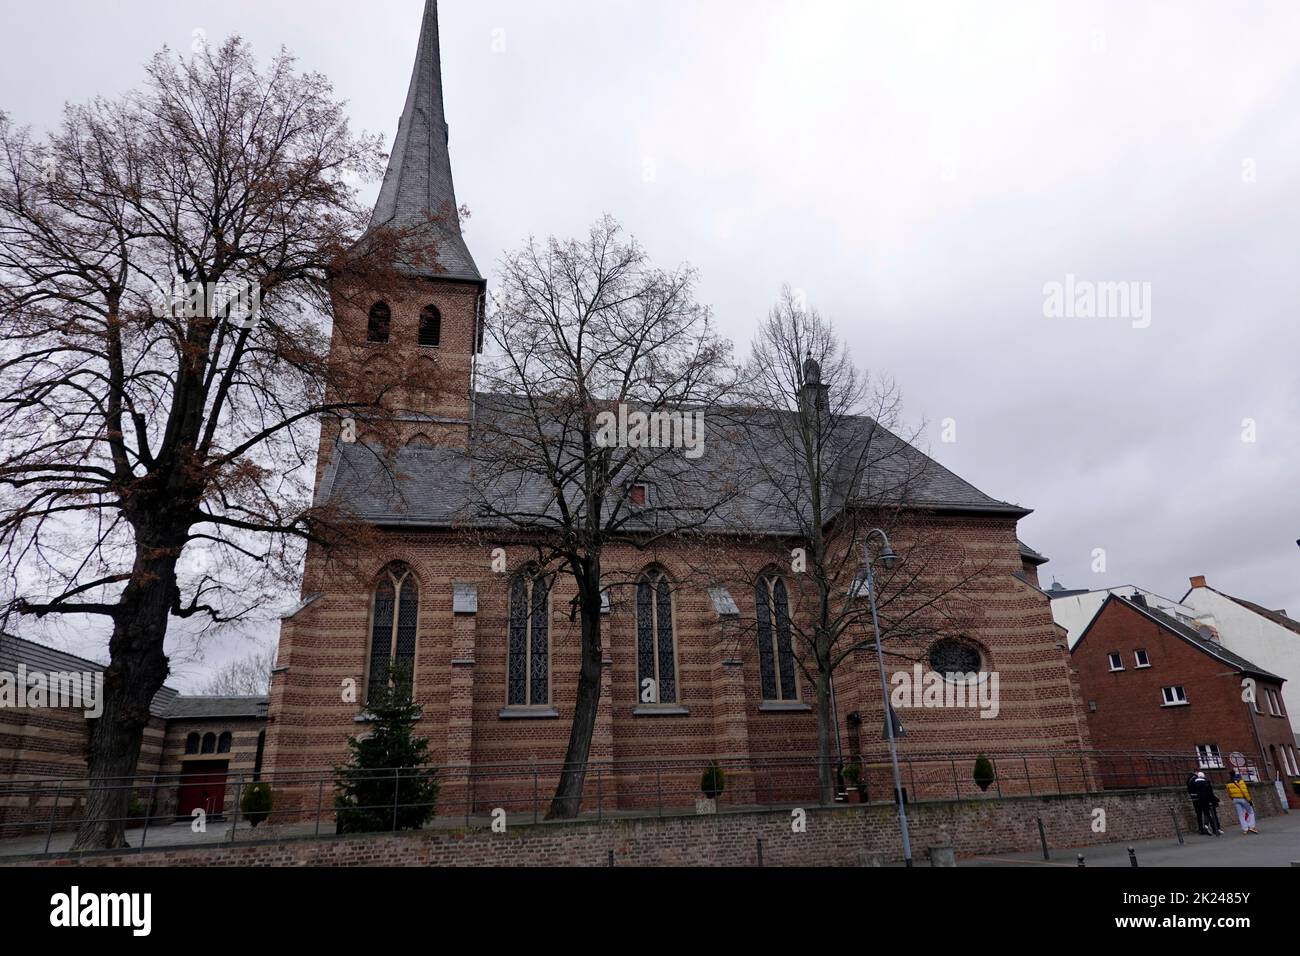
[
  {"x": 568, "y": 792},
  {"x": 825, "y": 727},
  {"x": 137, "y": 668}
]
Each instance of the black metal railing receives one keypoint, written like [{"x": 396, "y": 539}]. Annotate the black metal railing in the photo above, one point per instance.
[{"x": 40, "y": 816}]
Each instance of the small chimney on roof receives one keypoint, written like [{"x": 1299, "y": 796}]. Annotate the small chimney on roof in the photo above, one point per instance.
[
  {"x": 1198, "y": 581},
  {"x": 1139, "y": 599}
]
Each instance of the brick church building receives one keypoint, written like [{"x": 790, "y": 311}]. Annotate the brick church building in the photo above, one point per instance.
[{"x": 497, "y": 688}]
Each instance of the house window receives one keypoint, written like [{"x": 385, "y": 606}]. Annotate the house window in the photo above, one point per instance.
[
  {"x": 775, "y": 650},
  {"x": 192, "y": 744},
  {"x": 1140, "y": 658},
  {"x": 381, "y": 317},
  {"x": 1208, "y": 756},
  {"x": 655, "y": 655},
  {"x": 636, "y": 496},
  {"x": 223, "y": 743},
  {"x": 209, "y": 743},
  {"x": 430, "y": 327},
  {"x": 528, "y": 675},
  {"x": 393, "y": 625},
  {"x": 1174, "y": 695},
  {"x": 1295, "y": 766},
  {"x": 1092, "y": 706},
  {"x": 1274, "y": 703},
  {"x": 1116, "y": 662}
]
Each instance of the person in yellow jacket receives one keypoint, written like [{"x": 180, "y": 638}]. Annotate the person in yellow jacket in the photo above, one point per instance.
[{"x": 1240, "y": 795}]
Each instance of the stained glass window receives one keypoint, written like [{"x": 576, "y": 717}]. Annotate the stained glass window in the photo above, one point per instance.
[
  {"x": 776, "y": 663},
  {"x": 655, "y": 652},
  {"x": 394, "y": 624},
  {"x": 528, "y": 653},
  {"x": 949, "y": 656}
]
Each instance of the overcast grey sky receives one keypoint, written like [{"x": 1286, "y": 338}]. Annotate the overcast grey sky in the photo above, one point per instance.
[{"x": 921, "y": 170}]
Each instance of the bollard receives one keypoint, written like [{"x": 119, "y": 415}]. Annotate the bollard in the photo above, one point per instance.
[
  {"x": 1132, "y": 857},
  {"x": 1081, "y": 863},
  {"x": 760, "y": 851},
  {"x": 1042, "y": 838}
]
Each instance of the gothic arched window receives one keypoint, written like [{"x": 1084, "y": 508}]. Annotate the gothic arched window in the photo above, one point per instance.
[
  {"x": 656, "y": 658},
  {"x": 393, "y": 624},
  {"x": 430, "y": 326},
  {"x": 528, "y": 677},
  {"x": 776, "y": 664},
  {"x": 381, "y": 317},
  {"x": 192, "y": 744}
]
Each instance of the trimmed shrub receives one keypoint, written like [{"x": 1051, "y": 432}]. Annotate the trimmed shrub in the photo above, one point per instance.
[
  {"x": 256, "y": 802},
  {"x": 713, "y": 782},
  {"x": 984, "y": 775}
]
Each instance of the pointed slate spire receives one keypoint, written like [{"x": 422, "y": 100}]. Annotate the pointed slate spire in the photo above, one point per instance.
[{"x": 418, "y": 182}]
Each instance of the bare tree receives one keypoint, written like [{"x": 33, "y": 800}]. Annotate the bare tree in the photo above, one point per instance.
[
  {"x": 247, "y": 676},
  {"x": 585, "y": 335},
  {"x": 827, "y": 462},
  {"x": 168, "y": 263}
]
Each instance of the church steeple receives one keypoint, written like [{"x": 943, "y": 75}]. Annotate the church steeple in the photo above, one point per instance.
[{"x": 418, "y": 182}]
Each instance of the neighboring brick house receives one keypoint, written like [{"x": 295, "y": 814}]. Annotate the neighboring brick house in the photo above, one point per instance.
[
  {"x": 1154, "y": 683},
  {"x": 1269, "y": 637},
  {"x": 429, "y": 596},
  {"x": 196, "y": 749}
]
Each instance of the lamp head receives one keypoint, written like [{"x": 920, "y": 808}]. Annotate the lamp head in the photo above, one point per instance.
[{"x": 888, "y": 559}]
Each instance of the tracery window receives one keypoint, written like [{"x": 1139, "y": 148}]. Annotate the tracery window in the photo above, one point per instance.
[
  {"x": 656, "y": 658},
  {"x": 394, "y": 618},
  {"x": 528, "y": 677},
  {"x": 776, "y": 663}
]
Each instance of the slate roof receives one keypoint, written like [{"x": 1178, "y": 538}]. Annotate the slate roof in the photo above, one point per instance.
[
  {"x": 1030, "y": 555},
  {"x": 430, "y": 486},
  {"x": 417, "y": 191},
  {"x": 214, "y": 708},
  {"x": 37, "y": 657},
  {"x": 1190, "y": 635}
]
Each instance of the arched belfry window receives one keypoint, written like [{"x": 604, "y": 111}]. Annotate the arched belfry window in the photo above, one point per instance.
[
  {"x": 223, "y": 742},
  {"x": 393, "y": 624},
  {"x": 528, "y": 678},
  {"x": 776, "y": 664},
  {"x": 381, "y": 317},
  {"x": 209, "y": 743},
  {"x": 430, "y": 326},
  {"x": 192, "y": 744},
  {"x": 656, "y": 658}
]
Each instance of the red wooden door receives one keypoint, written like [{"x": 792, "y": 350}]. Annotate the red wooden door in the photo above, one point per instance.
[{"x": 203, "y": 787}]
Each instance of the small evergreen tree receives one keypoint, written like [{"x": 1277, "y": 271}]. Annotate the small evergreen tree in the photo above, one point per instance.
[
  {"x": 984, "y": 775},
  {"x": 387, "y": 785},
  {"x": 714, "y": 781},
  {"x": 256, "y": 803}
]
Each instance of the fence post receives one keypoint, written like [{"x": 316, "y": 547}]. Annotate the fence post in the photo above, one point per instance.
[
  {"x": 600, "y": 796},
  {"x": 1083, "y": 773},
  {"x": 535, "y": 793},
  {"x": 956, "y": 784},
  {"x": 659, "y": 791},
  {"x": 1028, "y": 779},
  {"x": 1178, "y": 831},
  {"x": 395, "y": 793},
  {"x": 760, "y": 851},
  {"x": 148, "y": 811},
  {"x": 1056, "y": 773},
  {"x": 320, "y": 799},
  {"x": 1042, "y": 838},
  {"x": 997, "y": 777},
  {"x": 49, "y": 831}
]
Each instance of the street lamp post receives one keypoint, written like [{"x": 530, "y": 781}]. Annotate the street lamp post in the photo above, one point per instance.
[{"x": 888, "y": 559}]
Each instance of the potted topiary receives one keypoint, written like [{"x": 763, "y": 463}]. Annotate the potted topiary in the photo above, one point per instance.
[
  {"x": 256, "y": 803},
  {"x": 984, "y": 775},
  {"x": 712, "y": 783},
  {"x": 854, "y": 778}
]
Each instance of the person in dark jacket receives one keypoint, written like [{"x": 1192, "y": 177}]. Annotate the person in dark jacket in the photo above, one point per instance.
[{"x": 1206, "y": 802}]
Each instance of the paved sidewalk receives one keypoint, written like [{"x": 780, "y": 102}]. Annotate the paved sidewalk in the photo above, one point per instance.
[{"x": 1276, "y": 844}]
